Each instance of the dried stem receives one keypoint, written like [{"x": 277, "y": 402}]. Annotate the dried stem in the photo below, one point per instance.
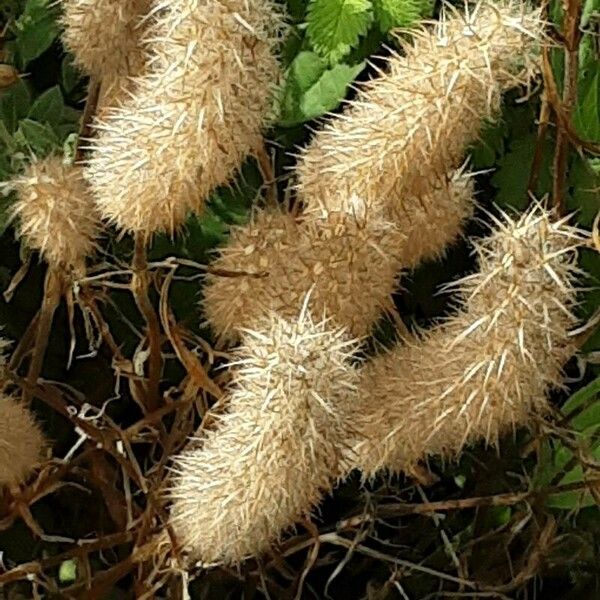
[
  {"x": 140, "y": 290},
  {"x": 53, "y": 286}
]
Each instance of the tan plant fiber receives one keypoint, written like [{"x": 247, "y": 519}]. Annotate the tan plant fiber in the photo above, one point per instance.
[
  {"x": 412, "y": 125},
  {"x": 56, "y": 213},
  {"x": 22, "y": 442},
  {"x": 486, "y": 370},
  {"x": 275, "y": 451},
  {"x": 345, "y": 259},
  {"x": 194, "y": 116},
  {"x": 105, "y": 38}
]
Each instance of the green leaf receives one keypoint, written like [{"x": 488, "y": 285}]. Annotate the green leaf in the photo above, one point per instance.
[
  {"x": 329, "y": 90},
  {"x": 48, "y": 107},
  {"x": 70, "y": 77},
  {"x": 335, "y": 26},
  {"x": 67, "y": 572},
  {"x": 399, "y": 13},
  {"x": 36, "y": 29},
  {"x": 14, "y": 105},
  {"x": 586, "y": 403},
  {"x": 514, "y": 169},
  {"x": 304, "y": 72},
  {"x": 587, "y": 113},
  {"x": 584, "y": 185},
  {"x": 489, "y": 146},
  {"x": 306, "y": 69},
  {"x": 39, "y": 138}
]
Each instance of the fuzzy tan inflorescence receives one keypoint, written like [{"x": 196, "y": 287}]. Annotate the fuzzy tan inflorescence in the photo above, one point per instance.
[
  {"x": 398, "y": 148},
  {"x": 486, "y": 370},
  {"x": 410, "y": 127},
  {"x": 56, "y": 213},
  {"x": 105, "y": 38},
  {"x": 276, "y": 449},
  {"x": 340, "y": 258},
  {"x": 197, "y": 112},
  {"x": 22, "y": 442}
]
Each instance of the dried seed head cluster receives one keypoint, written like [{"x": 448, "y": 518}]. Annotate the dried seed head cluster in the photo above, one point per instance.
[
  {"x": 276, "y": 449},
  {"x": 345, "y": 259},
  {"x": 484, "y": 371},
  {"x": 411, "y": 126},
  {"x": 22, "y": 442},
  {"x": 104, "y": 37},
  {"x": 340, "y": 256},
  {"x": 56, "y": 213},
  {"x": 193, "y": 117}
]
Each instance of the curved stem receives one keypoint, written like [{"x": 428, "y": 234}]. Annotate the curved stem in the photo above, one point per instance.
[
  {"x": 140, "y": 291},
  {"x": 52, "y": 292}
]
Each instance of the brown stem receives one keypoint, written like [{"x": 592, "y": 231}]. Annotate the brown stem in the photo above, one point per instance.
[
  {"x": 89, "y": 111},
  {"x": 572, "y": 37},
  {"x": 140, "y": 289},
  {"x": 52, "y": 293}
]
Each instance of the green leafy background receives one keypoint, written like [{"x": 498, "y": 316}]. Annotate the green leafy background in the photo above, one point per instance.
[{"x": 328, "y": 48}]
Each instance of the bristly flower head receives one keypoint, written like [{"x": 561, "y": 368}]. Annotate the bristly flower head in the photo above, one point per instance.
[
  {"x": 276, "y": 449},
  {"x": 193, "y": 117},
  {"x": 487, "y": 370},
  {"x": 341, "y": 257},
  {"x": 105, "y": 38},
  {"x": 22, "y": 442},
  {"x": 56, "y": 214},
  {"x": 412, "y": 125}
]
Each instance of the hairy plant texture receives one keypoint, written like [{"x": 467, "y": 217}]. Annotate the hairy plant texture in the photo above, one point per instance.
[
  {"x": 22, "y": 442},
  {"x": 194, "y": 116},
  {"x": 411, "y": 126},
  {"x": 340, "y": 258},
  {"x": 105, "y": 38},
  {"x": 56, "y": 213},
  {"x": 485, "y": 371},
  {"x": 275, "y": 450}
]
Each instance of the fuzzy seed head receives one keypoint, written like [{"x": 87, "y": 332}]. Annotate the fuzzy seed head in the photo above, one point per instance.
[
  {"x": 22, "y": 442},
  {"x": 339, "y": 258},
  {"x": 411, "y": 126},
  {"x": 104, "y": 37},
  {"x": 276, "y": 449},
  {"x": 193, "y": 117},
  {"x": 485, "y": 371},
  {"x": 56, "y": 214}
]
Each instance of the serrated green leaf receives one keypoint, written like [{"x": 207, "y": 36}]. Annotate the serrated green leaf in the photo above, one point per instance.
[
  {"x": 399, "y": 13},
  {"x": 35, "y": 30},
  {"x": 48, "y": 107},
  {"x": 327, "y": 93},
  {"x": 335, "y": 26}
]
